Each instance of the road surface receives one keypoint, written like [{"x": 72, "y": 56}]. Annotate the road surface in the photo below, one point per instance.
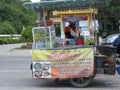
[{"x": 16, "y": 75}]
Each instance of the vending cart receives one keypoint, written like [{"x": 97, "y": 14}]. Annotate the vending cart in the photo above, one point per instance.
[{"x": 78, "y": 59}]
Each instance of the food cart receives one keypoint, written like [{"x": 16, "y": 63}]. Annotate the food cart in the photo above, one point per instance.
[{"x": 57, "y": 57}]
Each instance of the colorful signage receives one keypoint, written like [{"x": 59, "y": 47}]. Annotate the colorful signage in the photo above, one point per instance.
[{"x": 70, "y": 63}]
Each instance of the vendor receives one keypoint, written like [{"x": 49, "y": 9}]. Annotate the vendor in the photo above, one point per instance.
[{"x": 70, "y": 30}]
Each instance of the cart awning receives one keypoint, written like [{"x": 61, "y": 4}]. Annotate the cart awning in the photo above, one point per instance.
[{"x": 65, "y": 4}]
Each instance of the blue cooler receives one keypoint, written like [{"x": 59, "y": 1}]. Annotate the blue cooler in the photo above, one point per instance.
[
  {"x": 72, "y": 42},
  {"x": 118, "y": 69}
]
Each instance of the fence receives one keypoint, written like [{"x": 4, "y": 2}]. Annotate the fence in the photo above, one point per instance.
[{"x": 15, "y": 36}]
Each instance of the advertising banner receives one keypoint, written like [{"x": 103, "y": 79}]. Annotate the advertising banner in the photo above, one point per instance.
[{"x": 78, "y": 62}]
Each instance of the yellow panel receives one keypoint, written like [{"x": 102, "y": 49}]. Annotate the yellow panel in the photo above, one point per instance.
[{"x": 77, "y": 12}]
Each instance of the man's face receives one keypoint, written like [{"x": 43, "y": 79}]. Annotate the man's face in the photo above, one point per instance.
[{"x": 72, "y": 24}]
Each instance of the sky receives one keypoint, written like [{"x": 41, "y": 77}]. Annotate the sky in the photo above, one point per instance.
[{"x": 35, "y": 0}]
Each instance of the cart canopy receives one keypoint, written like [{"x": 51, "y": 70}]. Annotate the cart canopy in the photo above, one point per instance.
[{"x": 65, "y": 4}]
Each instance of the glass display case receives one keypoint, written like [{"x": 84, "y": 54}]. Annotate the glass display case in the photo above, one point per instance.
[{"x": 43, "y": 37}]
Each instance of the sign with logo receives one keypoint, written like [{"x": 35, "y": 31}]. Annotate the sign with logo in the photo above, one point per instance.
[{"x": 77, "y": 62}]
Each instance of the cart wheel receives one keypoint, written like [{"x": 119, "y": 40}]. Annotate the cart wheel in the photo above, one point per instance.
[{"x": 81, "y": 82}]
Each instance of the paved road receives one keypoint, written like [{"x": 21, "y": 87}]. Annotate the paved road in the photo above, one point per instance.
[{"x": 15, "y": 75}]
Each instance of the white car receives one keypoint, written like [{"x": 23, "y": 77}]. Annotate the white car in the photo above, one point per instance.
[{"x": 111, "y": 38}]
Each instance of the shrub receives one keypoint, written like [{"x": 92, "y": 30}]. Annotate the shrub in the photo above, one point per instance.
[
  {"x": 9, "y": 41},
  {"x": 27, "y": 34}
]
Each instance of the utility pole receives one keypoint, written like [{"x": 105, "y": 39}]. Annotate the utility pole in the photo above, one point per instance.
[{"x": 119, "y": 25}]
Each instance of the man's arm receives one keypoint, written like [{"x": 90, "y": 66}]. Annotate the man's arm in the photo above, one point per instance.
[{"x": 68, "y": 34}]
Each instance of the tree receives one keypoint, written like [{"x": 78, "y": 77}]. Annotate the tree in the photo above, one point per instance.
[
  {"x": 14, "y": 12},
  {"x": 109, "y": 17}
]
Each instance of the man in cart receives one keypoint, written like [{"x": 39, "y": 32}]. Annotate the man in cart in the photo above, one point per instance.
[{"x": 70, "y": 30}]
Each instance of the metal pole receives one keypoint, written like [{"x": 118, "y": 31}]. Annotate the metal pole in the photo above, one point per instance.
[
  {"x": 44, "y": 12},
  {"x": 91, "y": 21},
  {"x": 95, "y": 31}
]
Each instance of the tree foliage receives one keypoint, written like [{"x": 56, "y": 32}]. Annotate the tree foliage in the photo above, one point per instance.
[
  {"x": 109, "y": 17},
  {"x": 13, "y": 11},
  {"x": 7, "y": 28}
]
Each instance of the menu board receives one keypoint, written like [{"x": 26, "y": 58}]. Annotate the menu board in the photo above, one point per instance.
[{"x": 39, "y": 38}]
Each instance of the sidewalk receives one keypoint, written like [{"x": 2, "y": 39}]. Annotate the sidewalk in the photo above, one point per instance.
[{"x": 9, "y": 49}]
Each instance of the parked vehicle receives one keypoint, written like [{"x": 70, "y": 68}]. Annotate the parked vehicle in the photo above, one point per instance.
[
  {"x": 109, "y": 41},
  {"x": 111, "y": 38}
]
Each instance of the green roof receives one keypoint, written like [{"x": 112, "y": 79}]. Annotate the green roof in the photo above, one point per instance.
[{"x": 65, "y": 4}]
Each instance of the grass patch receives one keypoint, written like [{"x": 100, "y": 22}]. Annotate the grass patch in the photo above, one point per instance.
[{"x": 22, "y": 48}]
